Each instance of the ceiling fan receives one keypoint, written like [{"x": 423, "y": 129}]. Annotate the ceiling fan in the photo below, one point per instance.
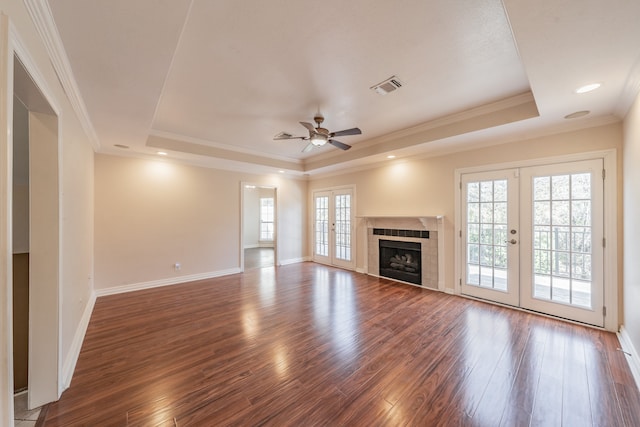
[{"x": 319, "y": 136}]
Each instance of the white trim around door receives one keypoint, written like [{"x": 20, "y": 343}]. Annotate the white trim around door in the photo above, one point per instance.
[
  {"x": 607, "y": 224},
  {"x": 333, "y": 227}
]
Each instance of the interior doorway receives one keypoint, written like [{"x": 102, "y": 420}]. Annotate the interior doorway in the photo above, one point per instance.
[
  {"x": 36, "y": 233},
  {"x": 258, "y": 226},
  {"x": 20, "y": 255}
]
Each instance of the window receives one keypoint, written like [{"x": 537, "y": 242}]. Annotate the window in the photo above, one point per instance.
[{"x": 266, "y": 218}]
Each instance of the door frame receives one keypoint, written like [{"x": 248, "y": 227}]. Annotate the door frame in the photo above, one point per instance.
[
  {"x": 243, "y": 189},
  {"x": 312, "y": 213},
  {"x": 610, "y": 213},
  {"x": 527, "y": 300},
  {"x": 512, "y": 295},
  {"x": 45, "y": 362}
]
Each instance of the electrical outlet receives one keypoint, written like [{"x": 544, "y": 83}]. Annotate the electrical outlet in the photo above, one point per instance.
[{"x": 177, "y": 266}]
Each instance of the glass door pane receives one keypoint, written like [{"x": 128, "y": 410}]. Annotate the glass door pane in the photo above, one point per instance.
[
  {"x": 321, "y": 226},
  {"x": 487, "y": 234},
  {"x": 490, "y": 235},
  {"x": 333, "y": 228},
  {"x": 563, "y": 204},
  {"x": 343, "y": 226},
  {"x": 562, "y": 238}
]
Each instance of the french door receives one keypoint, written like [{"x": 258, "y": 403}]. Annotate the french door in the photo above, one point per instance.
[
  {"x": 490, "y": 230},
  {"x": 333, "y": 227},
  {"x": 532, "y": 237}
]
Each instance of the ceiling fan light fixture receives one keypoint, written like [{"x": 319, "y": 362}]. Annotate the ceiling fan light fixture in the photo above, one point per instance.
[{"x": 318, "y": 140}]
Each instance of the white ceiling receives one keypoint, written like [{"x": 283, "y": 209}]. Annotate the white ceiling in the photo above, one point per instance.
[{"x": 213, "y": 81}]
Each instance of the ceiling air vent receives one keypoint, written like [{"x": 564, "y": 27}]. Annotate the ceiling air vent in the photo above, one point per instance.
[{"x": 389, "y": 85}]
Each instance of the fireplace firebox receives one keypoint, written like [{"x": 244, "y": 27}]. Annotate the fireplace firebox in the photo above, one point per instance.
[{"x": 400, "y": 260}]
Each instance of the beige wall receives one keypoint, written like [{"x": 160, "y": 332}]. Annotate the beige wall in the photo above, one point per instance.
[
  {"x": 150, "y": 215},
  {"x": 631, "y": 224},
  {"x": 426, "y": 187},
  {"x": 251, "y": 226},
  {"x": 77, "y": 281}
]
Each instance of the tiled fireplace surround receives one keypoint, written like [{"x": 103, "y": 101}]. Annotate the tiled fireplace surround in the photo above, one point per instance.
[{"x": 431, "y": 248}]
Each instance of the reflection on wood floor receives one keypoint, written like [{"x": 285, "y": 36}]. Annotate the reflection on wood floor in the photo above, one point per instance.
[{"x": 307, "y": 344}]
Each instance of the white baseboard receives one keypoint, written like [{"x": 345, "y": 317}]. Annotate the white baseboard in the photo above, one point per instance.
[
  {"x": 164, "y": 282},
  {"x": 293, "y": 260},
  {"x": 361, "y": 270},
  {"x": 251, "y": 246},
  {"x": 76, "y": 345},
  {"x": 631, "y": 354}
]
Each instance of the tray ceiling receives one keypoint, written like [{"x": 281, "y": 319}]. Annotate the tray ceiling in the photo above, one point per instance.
[{"x": 213, "y": 82}]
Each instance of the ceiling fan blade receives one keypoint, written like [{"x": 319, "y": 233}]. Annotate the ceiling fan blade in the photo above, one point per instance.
[
  {"x": 309, "y": 127},
  {"x": 308, "y": 148},
  {"x": 339, "y": 144},
  {"x": 352, "y": 131},
  {"x": 285, "y": 135}
]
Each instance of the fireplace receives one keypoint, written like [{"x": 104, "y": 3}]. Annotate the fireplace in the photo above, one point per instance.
[
  {"x": 401, "y": 260},
  {"x": 426, "y": 235}
]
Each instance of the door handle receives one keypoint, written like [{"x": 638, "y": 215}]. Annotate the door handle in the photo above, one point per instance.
[{"x": 512, "y": 241}]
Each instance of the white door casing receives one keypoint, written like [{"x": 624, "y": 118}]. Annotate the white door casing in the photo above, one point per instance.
[
  {"x": 334, "y": 227},
  {"x": 565, "y": 275}
]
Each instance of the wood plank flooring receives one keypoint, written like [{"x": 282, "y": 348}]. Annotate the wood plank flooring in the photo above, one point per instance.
[{"x": 307, "y": 344}]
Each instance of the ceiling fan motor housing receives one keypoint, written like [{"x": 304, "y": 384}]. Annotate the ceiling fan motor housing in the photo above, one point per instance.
[{"x": 320, "y": 136}]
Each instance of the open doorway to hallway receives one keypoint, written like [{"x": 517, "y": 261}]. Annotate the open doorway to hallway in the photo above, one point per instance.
[
  {"x": 35, "y": 243},
  {"x": 258, "y": 226}
]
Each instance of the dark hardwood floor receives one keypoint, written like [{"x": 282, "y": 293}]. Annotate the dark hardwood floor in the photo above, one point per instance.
[{"x": 307, "y": 344}]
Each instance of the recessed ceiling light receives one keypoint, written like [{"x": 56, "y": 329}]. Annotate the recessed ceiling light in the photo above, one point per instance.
[
  {"x": 161, "y": 153},
  {"x": 588, "y": 88},
  {"x": 281, "y": 171},
  {"x": 391, "y": 156},
  {"x": 577, "y": 114}
]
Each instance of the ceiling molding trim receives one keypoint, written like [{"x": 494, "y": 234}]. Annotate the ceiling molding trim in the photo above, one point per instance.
[
  {"x": 225, "y": 147},
  {"x": 33, "y": 71},
  {"x": 502, "y": 105},
  {"x": 210, "y": 163},
  {"x": 509, "y": 110},
  {"x": 449, "y": 146},
  {"x": 179, "y": 146},
  {"x": 630, "y": 91},
  {"x": 43, "y": 20},
  {"x": 453, "y": 145}
]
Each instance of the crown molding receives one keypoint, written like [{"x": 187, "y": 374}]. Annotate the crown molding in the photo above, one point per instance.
[
  {"x": 630, "y": 91},
  {"x": 43, "y": 20},
  {"x": 212, "y": 144},
  {"x": 509, "y": 110}
]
